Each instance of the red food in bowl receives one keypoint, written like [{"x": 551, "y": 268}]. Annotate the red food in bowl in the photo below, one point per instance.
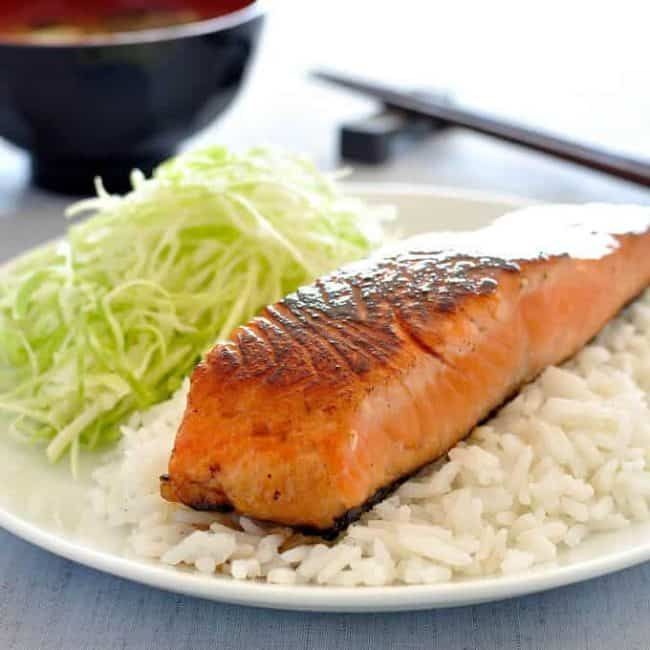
[{"x": 74, "y": 20}]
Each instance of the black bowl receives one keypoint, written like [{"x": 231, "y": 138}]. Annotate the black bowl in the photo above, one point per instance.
[{"x": 108, "y": 105}]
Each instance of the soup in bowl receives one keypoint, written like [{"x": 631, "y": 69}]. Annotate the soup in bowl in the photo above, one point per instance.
[{"x": 75, "y": 21}]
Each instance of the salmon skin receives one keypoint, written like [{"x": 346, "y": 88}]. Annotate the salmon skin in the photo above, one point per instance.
[{"x": 320, "y": 404}]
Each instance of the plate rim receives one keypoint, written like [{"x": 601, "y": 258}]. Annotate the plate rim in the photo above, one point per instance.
[
  {"x": 316, "y": 598},
  {"x": 319, "y": 598}
]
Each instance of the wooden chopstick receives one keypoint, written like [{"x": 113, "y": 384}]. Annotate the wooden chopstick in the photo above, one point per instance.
[{"x": 629, "y": 169}]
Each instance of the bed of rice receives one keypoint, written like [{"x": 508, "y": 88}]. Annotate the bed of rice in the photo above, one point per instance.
[{"x": 567, "y": 458}]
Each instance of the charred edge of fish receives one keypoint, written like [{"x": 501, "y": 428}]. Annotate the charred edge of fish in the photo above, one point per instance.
[
  {"x": 205, "y": 506},
  {"x": 350, "y": 516}
]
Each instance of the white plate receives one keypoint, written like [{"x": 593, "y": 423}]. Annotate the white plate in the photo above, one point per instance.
[{"x": 42, "y": 504}]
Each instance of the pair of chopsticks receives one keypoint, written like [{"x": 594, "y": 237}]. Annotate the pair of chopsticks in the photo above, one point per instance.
[{"x": 629, "y": 169}]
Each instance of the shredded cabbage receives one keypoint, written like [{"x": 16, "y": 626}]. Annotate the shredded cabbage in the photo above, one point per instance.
[{"x": 110, "y": 320}]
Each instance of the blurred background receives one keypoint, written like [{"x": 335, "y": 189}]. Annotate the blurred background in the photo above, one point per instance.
[{"x": 579, "y": 69}]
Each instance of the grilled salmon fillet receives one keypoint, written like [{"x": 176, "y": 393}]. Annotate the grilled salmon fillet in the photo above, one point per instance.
[{"x": 347, "y": 386}]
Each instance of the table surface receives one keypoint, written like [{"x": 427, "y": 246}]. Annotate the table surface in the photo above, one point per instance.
[{"x": 595, "y": 92}]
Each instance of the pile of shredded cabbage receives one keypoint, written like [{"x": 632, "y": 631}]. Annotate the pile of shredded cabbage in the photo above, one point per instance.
[{"x": 111, "y": 319}]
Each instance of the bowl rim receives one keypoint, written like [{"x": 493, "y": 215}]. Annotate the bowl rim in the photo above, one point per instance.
[{"x": 246, "y": 14}]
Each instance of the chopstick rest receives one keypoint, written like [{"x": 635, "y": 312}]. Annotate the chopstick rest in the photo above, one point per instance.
[{"x": 379, "y": 137}]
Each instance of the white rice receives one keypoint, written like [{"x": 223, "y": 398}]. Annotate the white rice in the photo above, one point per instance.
[{"x": 566, "y": 459}]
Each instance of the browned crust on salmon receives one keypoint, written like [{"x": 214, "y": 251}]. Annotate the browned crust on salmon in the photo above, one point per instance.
[{"x": 349, "y": 322}]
